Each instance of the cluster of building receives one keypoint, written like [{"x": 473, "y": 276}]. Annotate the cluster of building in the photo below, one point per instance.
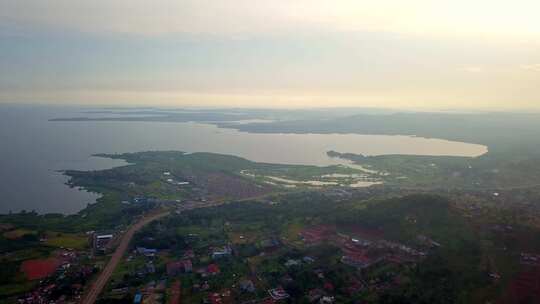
[
  {"x": 357, "y": 252},
  {"x": 529, "y": 259},
  {"x": 178, "y": 267},
  {"x": 152, "y": 293},
  {"x": 64, "y": 285},
  {"x": 169, "y": 179},
  {"x": 362, "y": 253}
]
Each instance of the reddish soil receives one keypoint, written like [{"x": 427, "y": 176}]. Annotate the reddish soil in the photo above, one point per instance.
[
  {"x": 175, "y": 293},
  {"x": 39, "y": 269},
  {"x": 230, "y": 186},
  {"x": 362, "y": 232},
  {"x": 524, "y": 288},
  {"x": 319, "y": 233}
]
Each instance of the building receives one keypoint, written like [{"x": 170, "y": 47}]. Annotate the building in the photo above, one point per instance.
[
  {"x": 188, "y": 266},
  {"x": 101, "y": 241},
  {"x": 213, "y": 269},
  {"x": 357, "y": 260},
  {"x": 150, "y": 267},
  {"x": 291, "y": 263},
  {"x": 215, "y": 298},
  {"x": 147, "y": 252},
  {"x": 138, "y": 298},
  {"x": 178, "y": 267},
  {"x": 189, "y": 254},
  {"x": 269, "y": 243},
  {"x": 314, "y": 295},
  {"x": 174, "y": 268},
  {"x": 221, "y": 252},
  {"x": 278, "y": 293},
  {"x": 326, "y": 300},
  {"x": 247, "y": 286}
]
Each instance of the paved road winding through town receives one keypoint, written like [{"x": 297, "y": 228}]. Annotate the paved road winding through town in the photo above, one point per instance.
[{"x": 97, "y": 286}]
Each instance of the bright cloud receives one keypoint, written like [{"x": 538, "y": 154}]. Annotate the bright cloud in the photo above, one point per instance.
[
  {"x": 459, "y": 53},
  {"x": 531, "y": 67},
  {"x": 434, "y": 17}
]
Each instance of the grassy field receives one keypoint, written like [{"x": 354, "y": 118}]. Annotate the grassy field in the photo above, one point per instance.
[
  {"x": 14, "y": 289},
  {"x": 18, "y": 233},
  {"x": 67, "y": 240}
]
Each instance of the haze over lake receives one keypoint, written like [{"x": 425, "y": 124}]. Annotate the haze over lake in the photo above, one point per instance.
[{"x": 33, "y": 149}]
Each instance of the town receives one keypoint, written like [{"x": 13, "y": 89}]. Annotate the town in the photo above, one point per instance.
[{"x": 180, "y": 236}]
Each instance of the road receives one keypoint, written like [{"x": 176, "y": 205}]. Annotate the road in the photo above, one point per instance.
[
  {"x": 175, "y": 293},
  {"x": 97, "y": 286}
]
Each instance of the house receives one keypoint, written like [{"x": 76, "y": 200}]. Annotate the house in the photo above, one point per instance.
[
  {"x": 319, "y": 273},
  {"x": 138, "y": 298},
  {"x": 247, "y": 286},
  {"x": 150, "y": 267},
  {"x": 270, "y": 243},
  {"x": 221, "y": 252},
  {"x": 188, "y": 266},
  {"x": 360, "y": 242},
  {"x": 326, "y": 300},
  {"x": 189, "y": 254},
  {"x": 356, "y": 260},
  {"x": 140, "y": 200},
  {"x": 176, "y": 268},
  {"x": 278, "y": 293},
  {"x": 120, "y": 291},
  {"x": 291, "y": 263},
  {"x": 218, "y": 298},
  {"x": 354, "y": 287},
  {"x": 214, "y": 298},
  {"x": 147, "y": 252},
  {"x": 213, "y": 269},
  {"x": 308, "y": 259},
  {"x": 286, "y": 279},
  {"x": 315, "y": 294},
  {"x": 101, "y": 241}
]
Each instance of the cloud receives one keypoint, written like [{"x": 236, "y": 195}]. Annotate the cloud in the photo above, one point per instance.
[
  {"x": 531, "y": 67},
  {"x": 472, "y": 69},
  {"x": 433, "y": 17},
  {"x": 373, "y": 51}
]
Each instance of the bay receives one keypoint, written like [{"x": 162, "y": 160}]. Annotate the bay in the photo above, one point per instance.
[{"x": 33, "y": 150}]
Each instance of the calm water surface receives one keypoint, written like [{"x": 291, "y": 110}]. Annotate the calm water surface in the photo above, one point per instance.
[{"x": 33, "y": 149}]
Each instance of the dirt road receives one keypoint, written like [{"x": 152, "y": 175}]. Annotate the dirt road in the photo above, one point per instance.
[{"x": 98, "y": 285}]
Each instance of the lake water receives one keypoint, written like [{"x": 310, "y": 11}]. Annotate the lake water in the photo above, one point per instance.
[{"x": 33, "y": 149}]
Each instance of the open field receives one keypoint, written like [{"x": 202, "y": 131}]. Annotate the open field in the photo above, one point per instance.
[
  {"x": 67, "y": 240},
  {"x": 18, "y": 233},
  {"x": 39, "y": 269}
]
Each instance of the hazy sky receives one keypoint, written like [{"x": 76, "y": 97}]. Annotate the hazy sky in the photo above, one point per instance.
[{"x": 262, "y": 53}]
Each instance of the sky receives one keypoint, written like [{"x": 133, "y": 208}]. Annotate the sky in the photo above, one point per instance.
[{"x": 430, "y": 54}]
